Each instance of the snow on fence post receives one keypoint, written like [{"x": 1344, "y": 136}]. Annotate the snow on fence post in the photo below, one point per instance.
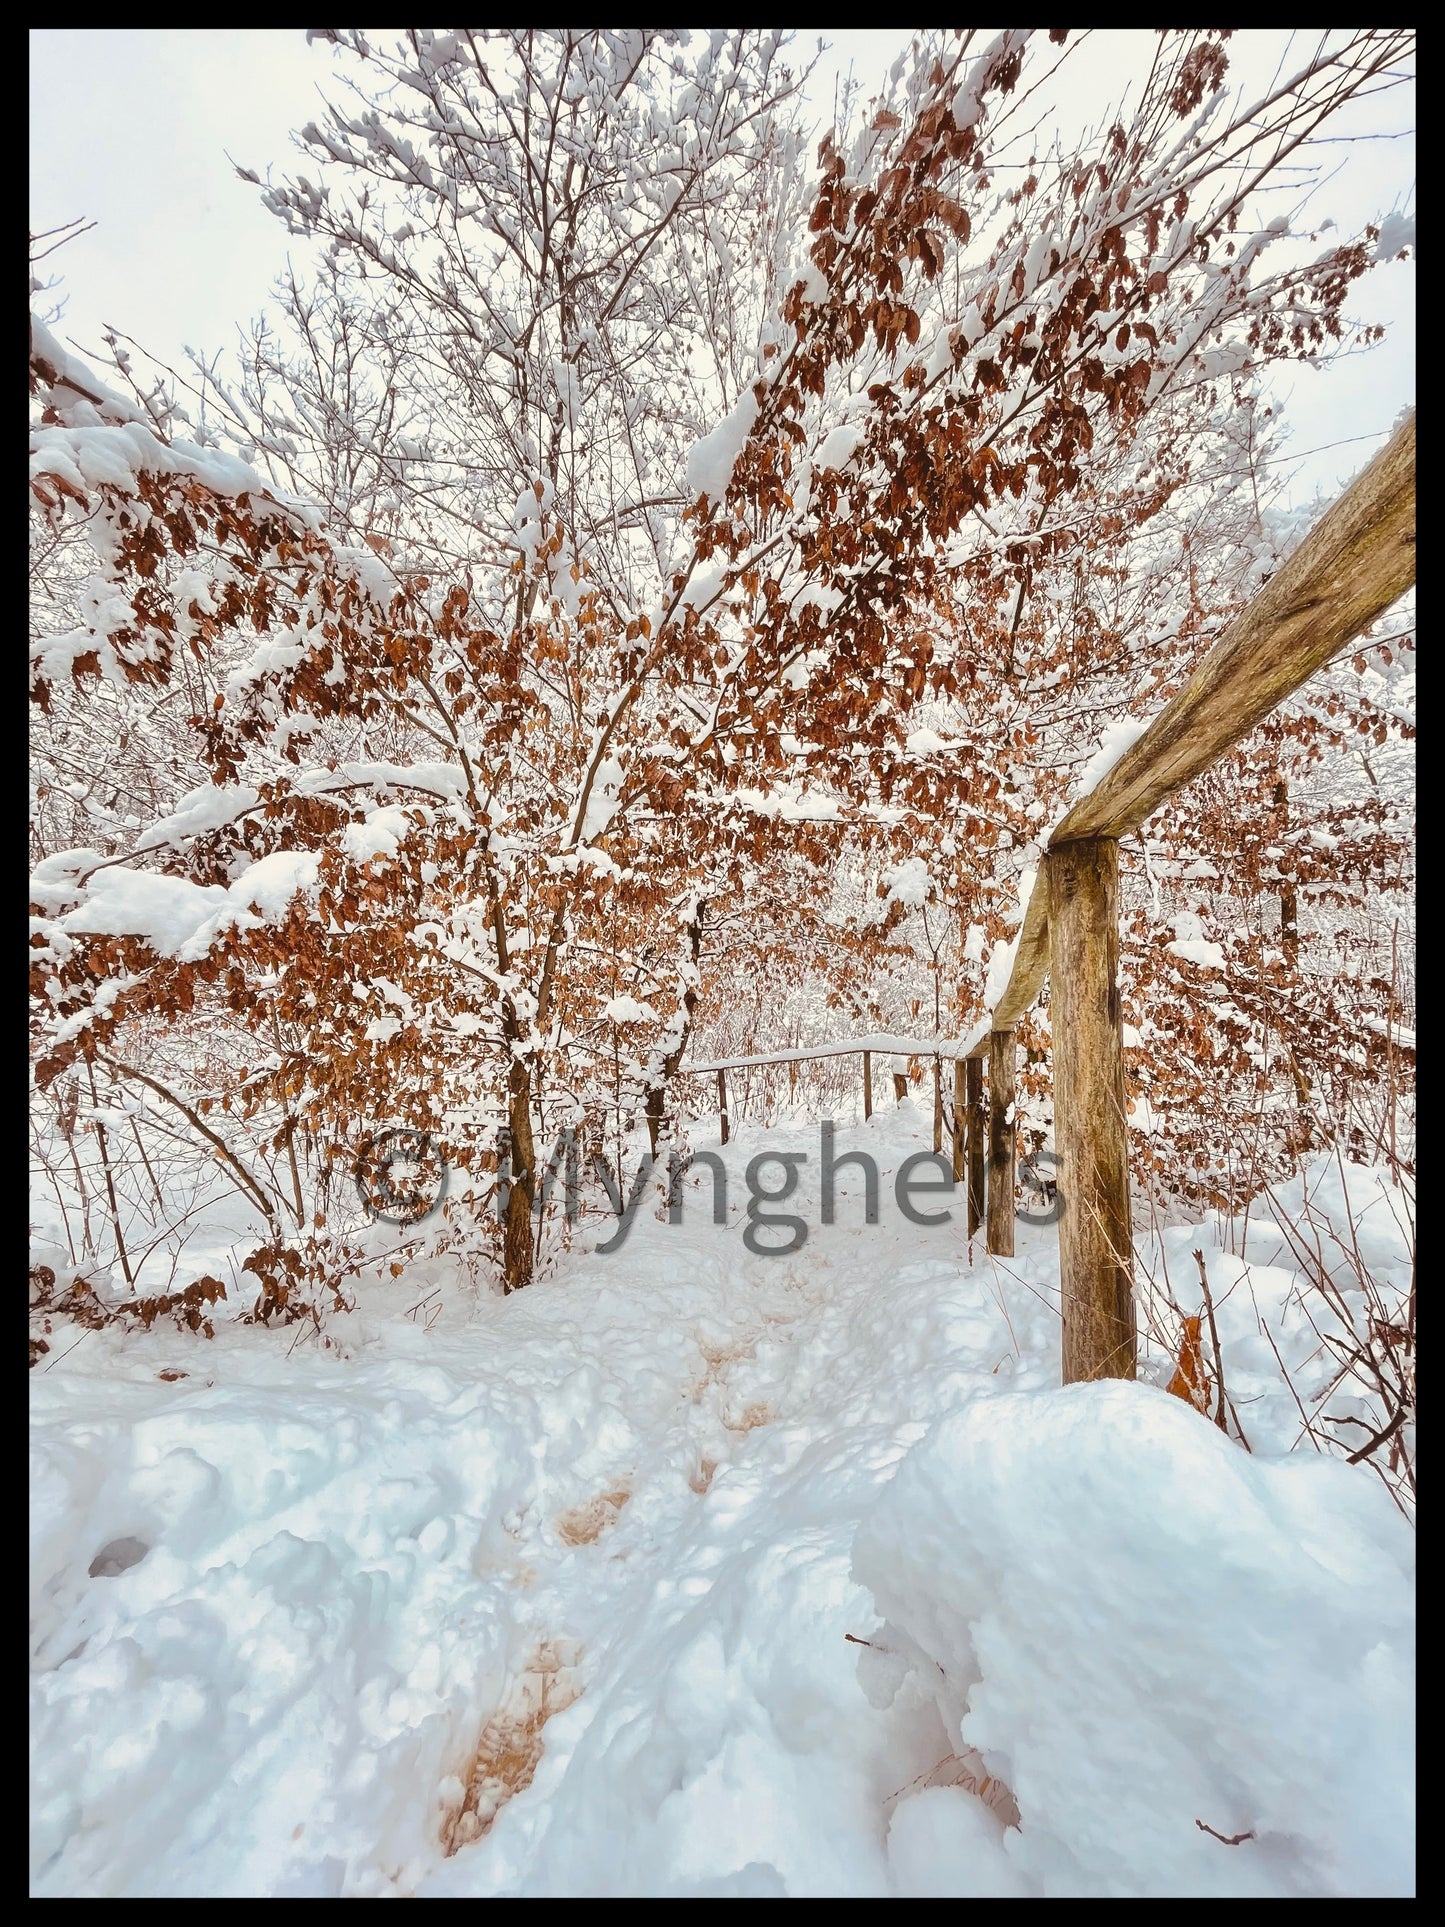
[
  {"x": 867, "y": 1084},
  {"x": 1096, "y": 1246},
  {"x": 722, "y": 1102},
  {"x": 976, "y": 1127},
  {"x": 960, "y": 1102},
  {"x": 937, "y": 1105},
  {"x": 1001, "y": 1143}
]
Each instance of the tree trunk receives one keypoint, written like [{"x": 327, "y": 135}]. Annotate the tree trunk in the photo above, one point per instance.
[
  {"x": 667, "y": 1070},
  {"x": 1001, "y": 1143},
  {"x": 1096, "y": 1248},
  {"x": 974, "y": 1082},
  {"x": 1288, "y": 895},
  {"x": 517, "y": 1228},
  {"x": 722, "y": 1103},
  {"x": 867, "y": 1084}
]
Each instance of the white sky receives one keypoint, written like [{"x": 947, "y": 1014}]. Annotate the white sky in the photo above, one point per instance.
[{"x": 131, "y": 129}]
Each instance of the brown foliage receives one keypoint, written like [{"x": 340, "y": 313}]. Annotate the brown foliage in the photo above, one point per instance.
[
  {"x": 509, "y": 1748},
  {"x": 1190, "y": 1380}
]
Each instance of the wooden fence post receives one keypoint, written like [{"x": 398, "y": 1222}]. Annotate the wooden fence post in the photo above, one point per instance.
[
  {"x": 1001, "y": 1143},
  {"x": 792, "y": 1079},
  {"x": 974, "y": 1082},
  {"x": 960, "y": 1113},
  {"x": 937, "y": 1104},
  {"x": 722, "y": 1102},
  {"x": 1096, "y": 1247},
  {"x": 867, "y": 1084}
]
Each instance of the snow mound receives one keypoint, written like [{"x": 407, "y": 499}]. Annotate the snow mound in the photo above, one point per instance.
[{"x": 1133, "y": 1621}]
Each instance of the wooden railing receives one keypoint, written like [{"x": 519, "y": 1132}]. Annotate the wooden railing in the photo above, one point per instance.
[
  {"x": 1356, "y": 561},
  {"x": 962, "y": 1121}
]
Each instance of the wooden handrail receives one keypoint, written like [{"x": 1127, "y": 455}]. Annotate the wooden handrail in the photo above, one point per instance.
[
  {"x": 883, "y": 1044},
  {"x": 1030, "y": 965},
  {"x": 1357, "y": 560}
]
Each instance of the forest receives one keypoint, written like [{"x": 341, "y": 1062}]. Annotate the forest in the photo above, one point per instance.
[{"x": 722, "y": 991}]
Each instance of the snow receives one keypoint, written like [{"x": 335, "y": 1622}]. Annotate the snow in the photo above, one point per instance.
[
  {"x": 909, "y": 882},
  {"x": 710, "y": 462},
  {"x": 382, "y": 834},
  {"x": 1217, "y": 1592},
  {"x": 210, "y": 807},
  {"x": 603, "y": 1553},
  {"x": 878, "y": 1043},
  {"x": 1397, "y": 232},
  {"x": 1002, "y": 956},
  {"x": 814, "y": 283},
  {"x": 1402, "y": 1035},
  {"x": 270, "y": 884},
  {"x": 944, "y": 1844},
  {"x": 601, "y": 800},
  {"x": 108, "y": 442},
  {"x": 113, "y": 454},
  {"x": 627, "y": 1010},
  {"x": 167, "y": 912},
  {"x": 1197, "y": 950},
  {"x": 839, "y": 445},
  {"x": 176, "y": 917},
  {"x": 1191, "y": 944},
  {"x": 1118, "y": 737},
  {"x": 790, "y": 803}
]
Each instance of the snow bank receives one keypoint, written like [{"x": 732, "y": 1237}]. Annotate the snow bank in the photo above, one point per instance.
[{"x": 1141, "y": 1627}]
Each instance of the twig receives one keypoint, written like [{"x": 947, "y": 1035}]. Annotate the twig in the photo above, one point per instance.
[
  {"x": 1389, "y": 1431},
  {"x": 1224, "y": 1398},
  {"x": 1308, "y": 1431},
  {"x": 1229, "y": 1839},
  {"x": 191, "y": 1117}
]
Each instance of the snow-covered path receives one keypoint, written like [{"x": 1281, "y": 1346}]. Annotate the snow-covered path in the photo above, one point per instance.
[{"x": 569, "y": 1584}]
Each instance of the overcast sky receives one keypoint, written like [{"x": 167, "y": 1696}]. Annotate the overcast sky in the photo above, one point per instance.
[{"x": 131, "y": 128}]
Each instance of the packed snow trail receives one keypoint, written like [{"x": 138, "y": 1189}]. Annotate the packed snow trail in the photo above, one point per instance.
[{"x": 563, "y": 1594}]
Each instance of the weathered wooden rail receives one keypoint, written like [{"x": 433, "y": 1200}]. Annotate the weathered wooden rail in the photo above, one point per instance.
[
  {"x": 1356, "y": 561},
  {"x": 883, "y": 1044}
]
